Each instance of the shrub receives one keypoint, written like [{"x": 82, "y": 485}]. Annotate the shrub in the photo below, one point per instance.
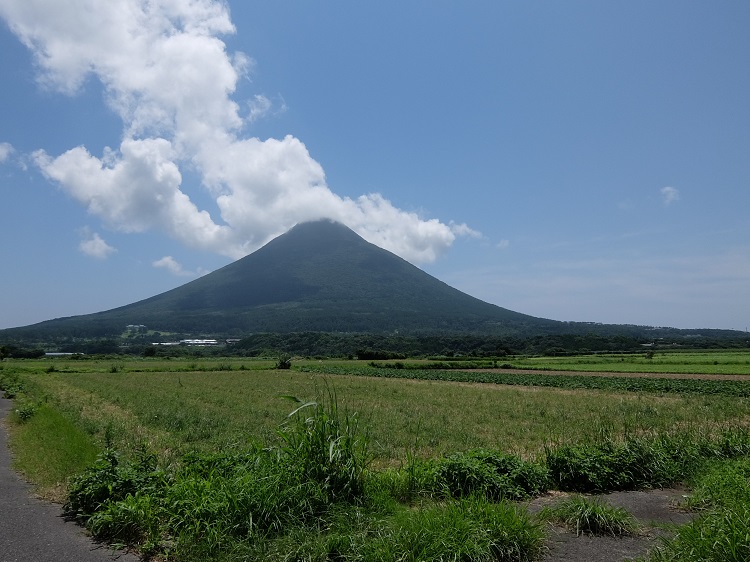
[
  {"x": 109, "y": 480},
  {"x": 607, "y": 466},
  {"x": 492, "y": 474},
  {"x": 284, "y": 361}
]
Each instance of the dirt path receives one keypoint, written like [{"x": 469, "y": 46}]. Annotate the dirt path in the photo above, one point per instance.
[{"x": 35, "y": 531}]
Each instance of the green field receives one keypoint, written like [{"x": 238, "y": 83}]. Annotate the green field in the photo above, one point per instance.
[
  {"x": 411, "y": 418},
  {"x": 180, "y": 405},
  {"x": 704, "y": 362}
]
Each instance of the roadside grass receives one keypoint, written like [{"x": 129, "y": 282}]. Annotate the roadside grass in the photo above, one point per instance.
[
  {"x": 586, "y": 515},
  {"x": 48, "y": 449}
]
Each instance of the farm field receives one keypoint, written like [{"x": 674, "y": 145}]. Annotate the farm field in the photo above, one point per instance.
[
  {"x": 411, "y": 417},
  {"x": 710, "y": 362},
  {"x": 207, "y": 404}
]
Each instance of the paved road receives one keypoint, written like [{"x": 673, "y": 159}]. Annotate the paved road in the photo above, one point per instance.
[{"x": 34, "y": 531}]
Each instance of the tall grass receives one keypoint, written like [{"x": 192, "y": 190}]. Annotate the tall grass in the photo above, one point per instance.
[
  {"x": 721, "y": 532},
  {"x": 326, "y": 446}
]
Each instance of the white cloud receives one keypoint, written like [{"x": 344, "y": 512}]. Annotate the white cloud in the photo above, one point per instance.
[
  {"x": 259, "y": 106},
  {"x": 171, "y": 265},
  {"x": 169, "y": 77},
  {"x": 94, "y": 246},
  {"x": 6, "y": 150},
  {"x": 669, "y": 195},
  {"x": 174, "y": 267},
  {"x": 503, "y": 244}
]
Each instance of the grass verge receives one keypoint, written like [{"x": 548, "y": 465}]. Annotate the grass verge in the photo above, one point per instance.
[{"x": 48, "y": 448}]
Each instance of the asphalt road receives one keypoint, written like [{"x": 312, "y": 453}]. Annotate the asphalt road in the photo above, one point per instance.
[{"x": 35, "y": 531}]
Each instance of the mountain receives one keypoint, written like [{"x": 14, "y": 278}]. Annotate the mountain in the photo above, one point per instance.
[{"x": 319, "y": 276}]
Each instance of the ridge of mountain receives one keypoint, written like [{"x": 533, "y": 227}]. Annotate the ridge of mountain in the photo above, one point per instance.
[
  {"x": 318, "y": 276},
  {"x": 321, "y": 276}
]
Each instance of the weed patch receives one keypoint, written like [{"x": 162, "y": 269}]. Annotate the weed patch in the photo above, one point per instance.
[
  {"x": 491, "y": 474},
  {"x": 591, "y": 516}
]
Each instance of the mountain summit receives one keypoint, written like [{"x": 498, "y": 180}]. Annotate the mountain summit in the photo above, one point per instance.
[{"x": 319, "y": 276}]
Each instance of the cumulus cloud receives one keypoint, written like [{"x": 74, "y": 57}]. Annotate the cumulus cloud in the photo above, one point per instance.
[
  {"x": 6, "y": 149},
  {"x": 94, "y": 246},
  {"x": 175, "y": 267},
  {"x": 669, "y": 195},
  {"x": 167, "y": 74}
]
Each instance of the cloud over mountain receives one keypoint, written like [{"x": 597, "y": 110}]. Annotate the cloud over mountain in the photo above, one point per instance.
[{"x": 167, "y": 74}]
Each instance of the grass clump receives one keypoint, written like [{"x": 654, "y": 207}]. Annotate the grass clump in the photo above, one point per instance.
[
  {"x": 325, "y": 445},
  {"x": 591, "y": 516},
  {"x": 467, "y": 529}
]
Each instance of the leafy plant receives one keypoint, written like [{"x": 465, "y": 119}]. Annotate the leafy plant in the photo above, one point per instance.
[
  {"x": 109, "y": 480},
  {"x": 25, "y": 411},
  {"x": 11, "y": 385},
  {"x": 611, "y": 465}
]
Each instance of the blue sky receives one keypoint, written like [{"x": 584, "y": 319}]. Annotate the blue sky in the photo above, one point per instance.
[{"x": 584, "y": 161}]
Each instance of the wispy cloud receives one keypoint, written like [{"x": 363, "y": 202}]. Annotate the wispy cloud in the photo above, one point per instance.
[
  {"x": 669, "y": 195},
  {"x": 6, "y": 150},
  {"x": 168, "y": 75},
  {"x": 259, "y": 106},
  {"x": 93, "y": 245},
  {"x": 504, "y": 244}
]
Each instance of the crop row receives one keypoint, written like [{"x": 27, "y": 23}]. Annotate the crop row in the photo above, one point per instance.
[{"x": 735, "y": 388}]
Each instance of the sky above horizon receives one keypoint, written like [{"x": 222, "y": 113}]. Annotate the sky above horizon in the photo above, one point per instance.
[{"x": 579, "y": 161}]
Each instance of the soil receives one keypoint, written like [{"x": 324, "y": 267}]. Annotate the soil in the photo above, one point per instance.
[{"x": 656, "y": 512}]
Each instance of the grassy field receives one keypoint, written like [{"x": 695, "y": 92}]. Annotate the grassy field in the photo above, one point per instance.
[
  {"x": 170, "y": 408},
  {"x": 704, "y": 362},
  {"x": 180, "y": 405}
]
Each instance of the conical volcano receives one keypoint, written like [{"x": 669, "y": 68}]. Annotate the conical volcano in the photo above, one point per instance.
[{"x": 319, "y": 276}]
